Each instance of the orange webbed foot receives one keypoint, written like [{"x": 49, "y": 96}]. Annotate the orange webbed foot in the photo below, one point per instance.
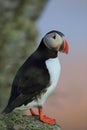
[{"x": 48, "y": 120}]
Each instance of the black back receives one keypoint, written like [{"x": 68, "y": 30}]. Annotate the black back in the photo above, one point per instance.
[{"x": 32, "y": 78}]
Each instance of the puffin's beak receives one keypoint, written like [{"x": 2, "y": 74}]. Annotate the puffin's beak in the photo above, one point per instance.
[{"x": 66, "y": 47}]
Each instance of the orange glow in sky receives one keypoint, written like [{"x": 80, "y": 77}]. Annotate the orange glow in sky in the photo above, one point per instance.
[{"x": 68, "y": 103}]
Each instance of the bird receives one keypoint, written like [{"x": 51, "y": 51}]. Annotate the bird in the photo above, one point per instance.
[{"x": 37, "y": 78}]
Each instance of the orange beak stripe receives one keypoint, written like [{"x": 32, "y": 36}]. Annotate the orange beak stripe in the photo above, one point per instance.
[{"x": 66, "y": 47}]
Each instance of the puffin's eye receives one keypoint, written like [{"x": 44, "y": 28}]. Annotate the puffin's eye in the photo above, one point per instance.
[{"x": 54, "y": 36}]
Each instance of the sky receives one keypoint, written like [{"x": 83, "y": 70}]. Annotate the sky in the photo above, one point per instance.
[{"x": 68, "y": 103}]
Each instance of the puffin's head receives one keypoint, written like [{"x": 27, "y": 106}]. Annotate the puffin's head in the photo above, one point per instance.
[{"x": 55, "y": 40}]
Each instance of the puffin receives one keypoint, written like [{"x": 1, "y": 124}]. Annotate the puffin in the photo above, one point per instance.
[{"x": 37, "y": 78}]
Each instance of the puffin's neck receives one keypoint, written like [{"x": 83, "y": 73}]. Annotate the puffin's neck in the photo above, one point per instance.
[{"x": 45, "y": 52}]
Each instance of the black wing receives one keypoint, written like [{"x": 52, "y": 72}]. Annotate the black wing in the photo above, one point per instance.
[
  {"x": 32, "y": 77},
  {"x": 30, "y": 80}
]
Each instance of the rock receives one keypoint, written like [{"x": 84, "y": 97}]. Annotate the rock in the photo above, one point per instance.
[{"x": 16, "y": 121}]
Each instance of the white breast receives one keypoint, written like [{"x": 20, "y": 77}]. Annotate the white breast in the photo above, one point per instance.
[{"x": 53, "y": 67}]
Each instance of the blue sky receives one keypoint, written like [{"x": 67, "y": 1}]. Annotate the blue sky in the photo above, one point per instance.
[{"x": 69, "y": 16}]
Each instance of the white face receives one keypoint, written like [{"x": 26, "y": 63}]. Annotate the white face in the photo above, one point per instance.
[{"x": 53, "y": 41}]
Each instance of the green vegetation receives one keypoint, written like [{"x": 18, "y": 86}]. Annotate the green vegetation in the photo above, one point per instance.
[{"x": 18, "y": 36}]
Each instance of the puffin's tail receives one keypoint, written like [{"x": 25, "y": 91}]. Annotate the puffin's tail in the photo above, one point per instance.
[
  {"x": 7, "y": 110},
  {"x": 20, "y": 100}
]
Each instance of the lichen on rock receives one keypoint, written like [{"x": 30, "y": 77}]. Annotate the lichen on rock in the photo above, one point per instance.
[{"x": 17, "y": 121}]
